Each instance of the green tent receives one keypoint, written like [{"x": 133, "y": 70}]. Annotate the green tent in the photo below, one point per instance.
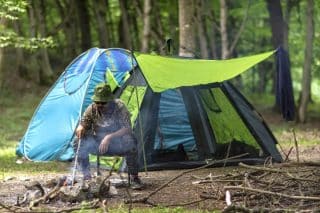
[{"x": 184, "y": 112}]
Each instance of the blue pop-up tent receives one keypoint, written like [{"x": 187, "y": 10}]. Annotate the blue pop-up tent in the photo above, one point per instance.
[{"x": 51, "y": 130}]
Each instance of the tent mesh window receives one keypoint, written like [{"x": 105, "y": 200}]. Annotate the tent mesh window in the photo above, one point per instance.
[{"x": 231, "y": 134}]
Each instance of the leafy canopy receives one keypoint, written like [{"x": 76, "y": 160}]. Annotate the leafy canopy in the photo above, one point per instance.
[{"x": 10, "y": 10}]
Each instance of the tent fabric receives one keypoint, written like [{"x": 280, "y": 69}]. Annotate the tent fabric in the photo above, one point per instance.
[
  {"x": 164, "y": 73},
  {"x": 51, "y": 129},
  {"x": 177, "y": 105}
]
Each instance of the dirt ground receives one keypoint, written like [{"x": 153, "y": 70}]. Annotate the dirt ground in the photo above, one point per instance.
[{"x": 183, "y": 190}]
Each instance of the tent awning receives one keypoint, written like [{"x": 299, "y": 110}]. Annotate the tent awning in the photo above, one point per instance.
[{"x": 164, "y": 73}]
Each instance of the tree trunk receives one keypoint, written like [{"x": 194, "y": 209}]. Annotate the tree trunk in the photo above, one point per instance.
[
  {"x": 84, "y": 23},
  {"x": 100, "y": 14},
  {"x": 223, "y": 28},
  {"x": 277, "y": 28},
  {"x": 212, "y": 37},
  {"x": 306, "y": 78},
  {"x": 186, "y": 27},
  {"x": 33, "y": 66},
  {"x": 124, "y": 26},
  {"x": 2, "y": 75},
  {"x": 146, "y": 26},
  {"x": 67, "y": 9},
  {"x": 157, "y": 29},
  {"x": 21, "y": 70},
  {"x": 290, "y": 4},
  {"x": 202, "y": 29},
  {"x": 276, "y": 21},
  {"x": 111, "y": 26},
  {"x": 46, "y": 73}
]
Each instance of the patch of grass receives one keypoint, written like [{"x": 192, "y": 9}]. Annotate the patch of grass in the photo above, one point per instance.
[
  {"x": 261, "y": 100},
  {"x": 16, "y": 111}
]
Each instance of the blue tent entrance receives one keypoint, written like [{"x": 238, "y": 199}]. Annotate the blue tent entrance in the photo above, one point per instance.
[{"x": 51, "y": 129}]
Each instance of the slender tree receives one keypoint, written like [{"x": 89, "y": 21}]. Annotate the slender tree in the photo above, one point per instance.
[
  {"x": 84, "y": 24},
  {"x": 124, "y": 26},
  {"x": 69, "y": 25},
  {"x": 277, "y": 22},
  {"x": 2, "y": 75},
  {"x": 100, "y": 14},
  {"x": 306, "y": 77},
  {"x": 187, "y": 28},
  {"x": 45, "y": 72},
  {"x": 212, "y": 34},
  {"x": 278, "y": 27},
  {"x": 201, "y": 9},
  {"x": 146, "y": 26},
  {"x": 223, "y": 29}
]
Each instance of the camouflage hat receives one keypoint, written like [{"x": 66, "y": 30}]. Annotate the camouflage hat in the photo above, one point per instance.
[{"x": 102, "y": 93}]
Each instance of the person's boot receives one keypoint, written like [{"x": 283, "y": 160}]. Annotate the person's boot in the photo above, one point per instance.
[{"x": 135, "y": 182}]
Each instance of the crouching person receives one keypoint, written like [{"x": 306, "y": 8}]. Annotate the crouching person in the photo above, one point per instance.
[{"x": 105, "y": 129}]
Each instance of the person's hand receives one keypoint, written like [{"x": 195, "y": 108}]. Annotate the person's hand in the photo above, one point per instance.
[
  {"x": 80, "y": 131},
  {"x": 103, "y": 148}
]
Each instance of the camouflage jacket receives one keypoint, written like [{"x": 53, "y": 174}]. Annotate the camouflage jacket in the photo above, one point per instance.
[{"x": 113, "y": 116}]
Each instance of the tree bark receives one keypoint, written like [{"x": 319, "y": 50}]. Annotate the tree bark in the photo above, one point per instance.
[
  {"x": 146, "y": 26},
  {"x": 306, "y": 78},
  {"x": 212, "y": 37},
  {"x": 186, "y": 27},
  {"x": 202, "y": 29},
  {"x": 46, "y": 73},
  {"x": 124, "y": 26},
  {"x": 33, "y": 66},
  {"x": 156, "y": 28},
  {"x": 277, "y": 28},
  {"x": 70, "y": 25},
  {"x": 290, "y": 4},
  {"x": 276, "y": 21},
  {"x": 223, "y": 28},
  {"x": 111, "y": 26},
  {"x": 84, "y": 24},
  {"x": 2, "y": 75},
  {"x": 21, "y": 70},
  {"x": 100, "y": 14}
]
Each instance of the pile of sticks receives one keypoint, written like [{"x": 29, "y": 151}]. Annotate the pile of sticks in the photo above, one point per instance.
[{"x": 283, "y": 187}]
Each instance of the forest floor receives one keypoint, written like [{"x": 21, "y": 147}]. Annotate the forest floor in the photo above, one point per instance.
[{"x": 204, "y": 189}]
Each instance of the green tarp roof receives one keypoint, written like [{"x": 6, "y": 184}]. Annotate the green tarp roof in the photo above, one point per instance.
[{"x": 164, "y": 73}]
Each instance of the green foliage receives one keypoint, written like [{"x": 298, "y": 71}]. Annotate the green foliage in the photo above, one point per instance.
[
  {"x": 12, "y": 39},
  {"x": 11, "y": 9}
]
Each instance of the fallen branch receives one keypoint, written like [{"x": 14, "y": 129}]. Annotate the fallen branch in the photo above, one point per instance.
[
  {"x": 303, "y": 163},
  {"x": 233, "y": 208},
  {"x": 276, "y": 171},
  {"x": 212, "y": 181},
  {"x": 145, "y": 198},
  {"x": 262, "y": 168},
  {"x": 272, "y": 193},
  {"x": 48, "y": 195}
]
